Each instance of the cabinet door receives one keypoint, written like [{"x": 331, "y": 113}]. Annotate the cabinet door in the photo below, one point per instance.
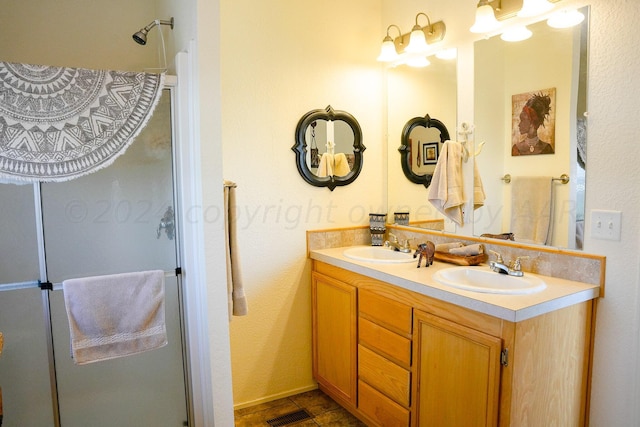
[
  {"x": 457, "y": 374},
  {"x": 334, "y": 312}
]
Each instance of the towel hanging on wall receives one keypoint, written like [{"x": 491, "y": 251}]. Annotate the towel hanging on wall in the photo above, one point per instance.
[
  {"x": 58, "y": 124},
  {"x": 236, "y": 297},
  {"x": 446, "y": 191}
]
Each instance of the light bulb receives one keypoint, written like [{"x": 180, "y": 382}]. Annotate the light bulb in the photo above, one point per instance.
[
  {"x": 418, "y": 61},
  {"x": 446, "y": 54},
  {"x": 388, "y": 51},
  {"x": 534, "y": 8},
  {"x": 516, "y": 34},
  {"x": 485, "y": 20},
  {"x": 417, "y": 41},
  {"x": 565, "y": 19}
]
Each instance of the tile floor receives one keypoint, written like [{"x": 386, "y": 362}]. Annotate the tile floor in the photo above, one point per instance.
[{"x": 325, "y": 411}]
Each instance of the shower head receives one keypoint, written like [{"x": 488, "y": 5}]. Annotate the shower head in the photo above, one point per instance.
[{"x": 140, "y": 37}]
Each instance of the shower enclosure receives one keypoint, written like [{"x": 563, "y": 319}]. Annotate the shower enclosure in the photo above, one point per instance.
[{"x": 119, "y": 219}]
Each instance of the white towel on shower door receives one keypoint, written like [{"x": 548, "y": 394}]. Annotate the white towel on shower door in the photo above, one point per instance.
[{"x": 115, "y": 315}]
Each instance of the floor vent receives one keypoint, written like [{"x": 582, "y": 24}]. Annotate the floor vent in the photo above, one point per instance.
[{"x": 290, "y": 418}]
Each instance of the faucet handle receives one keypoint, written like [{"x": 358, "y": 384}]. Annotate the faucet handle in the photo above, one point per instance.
[
  {"x": 516, "y": 264},
  {"x": 393, "y": 238},
  {"x": 498, "y": 256}
]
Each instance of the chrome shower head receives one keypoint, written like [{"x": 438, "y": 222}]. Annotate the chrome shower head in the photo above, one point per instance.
[{"x": 140, "y": 37}]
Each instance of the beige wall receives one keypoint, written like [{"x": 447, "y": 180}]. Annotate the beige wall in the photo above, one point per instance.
[
  {"x": 76, "y": 33},
  {"x": 281, "y": 59}
]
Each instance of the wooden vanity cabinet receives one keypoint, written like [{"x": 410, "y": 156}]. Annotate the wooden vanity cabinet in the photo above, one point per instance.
[
  {"x": 457, "y": 374},
  {"x": 384, "y": 359},
  {"x": 334, "y": 334},
  {"x": 393, "y": 357}
]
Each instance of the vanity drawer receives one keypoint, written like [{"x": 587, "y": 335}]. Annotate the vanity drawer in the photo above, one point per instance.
[
  {"x": 386, "y": 312},
  {"x": 385, "y": 376},
  {"x": 390, "y": 344},
  {"x": 380, "y": 408}
]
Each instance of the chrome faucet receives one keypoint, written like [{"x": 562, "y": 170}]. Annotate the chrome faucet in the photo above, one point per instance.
[
  {"x": 397, "y": 245},
  {"x": 512, "y": 269}
]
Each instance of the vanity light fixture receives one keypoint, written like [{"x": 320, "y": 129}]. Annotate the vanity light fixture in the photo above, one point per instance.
[
  {"x": 517, "y": 33},
  {"x": 565, "y": 18},
  {"x": 485, "y": 17},
  {"x": 491, "y": 13},
  {"x": 410, "y": 47},
  {"x": 388, "y": 51},
  {"x": 418, "y": 38},
  {"x": 534, "y": 8}
]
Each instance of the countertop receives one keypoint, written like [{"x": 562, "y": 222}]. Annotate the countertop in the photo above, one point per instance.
[{"x": 559, "y": 293}]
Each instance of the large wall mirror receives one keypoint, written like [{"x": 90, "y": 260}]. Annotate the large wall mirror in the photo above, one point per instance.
[
  {"x": 413, "y": 93},
  {"x": 550, "y": 59},
  {"x": 328, "y": 148},
  {"x": 507, "y": 75}
]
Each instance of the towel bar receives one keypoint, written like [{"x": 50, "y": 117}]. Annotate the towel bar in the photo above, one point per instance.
[
  {"x": 168, "y": 273},
  {"x": 564, "y": 178}
]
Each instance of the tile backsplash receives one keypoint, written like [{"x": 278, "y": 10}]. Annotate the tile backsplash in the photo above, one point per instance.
[{"x": 548, "y": 261}]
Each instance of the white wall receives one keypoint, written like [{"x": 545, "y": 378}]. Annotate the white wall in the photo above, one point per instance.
[{"x": 612, "y": 175}]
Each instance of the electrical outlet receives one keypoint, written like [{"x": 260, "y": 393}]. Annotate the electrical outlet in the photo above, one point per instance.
[{"x": 606, "y": 224}]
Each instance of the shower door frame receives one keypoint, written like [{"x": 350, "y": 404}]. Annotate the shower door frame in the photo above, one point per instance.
[{"x": 45, "y": 286}]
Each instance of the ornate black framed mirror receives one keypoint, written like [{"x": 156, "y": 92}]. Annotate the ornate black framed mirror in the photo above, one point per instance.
[
  {"x": 328, "y": 148},
  {"x": 421, "y": 143}
]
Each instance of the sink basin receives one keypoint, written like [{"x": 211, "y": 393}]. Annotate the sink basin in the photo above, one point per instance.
[
  {"x": 478, "y": 279},
  {"x": 377, "y": 254}
]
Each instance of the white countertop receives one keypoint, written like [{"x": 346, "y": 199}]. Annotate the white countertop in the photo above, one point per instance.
[{"x": 558, "y": 294}]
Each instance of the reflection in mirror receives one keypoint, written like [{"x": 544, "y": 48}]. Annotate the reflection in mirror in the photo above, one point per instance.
[
  {"x": 511, "y": 82},
  {"x": 412, "y": 92},
  {"x": 422, "y": 140},
  {"x": 328, "y": 148}
]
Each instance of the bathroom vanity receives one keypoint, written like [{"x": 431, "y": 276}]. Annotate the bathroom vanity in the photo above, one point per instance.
[{"x": 397, "y": 348}]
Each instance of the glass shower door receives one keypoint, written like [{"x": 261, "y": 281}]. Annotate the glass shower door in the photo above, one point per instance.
[
  {"x": 24, "y": 364},
  {"x": 118, "y": 220}
]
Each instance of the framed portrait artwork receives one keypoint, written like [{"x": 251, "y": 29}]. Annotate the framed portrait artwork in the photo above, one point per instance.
[
  {"x": 533, "y": 123},
  {"x": 430, "y": 153}
]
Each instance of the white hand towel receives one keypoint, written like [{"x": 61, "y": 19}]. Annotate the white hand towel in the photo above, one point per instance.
[
  {"x": 116, "y": 315},
  {"x": 446, "y": 191},
  {"x": 531, "y": 209}
]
